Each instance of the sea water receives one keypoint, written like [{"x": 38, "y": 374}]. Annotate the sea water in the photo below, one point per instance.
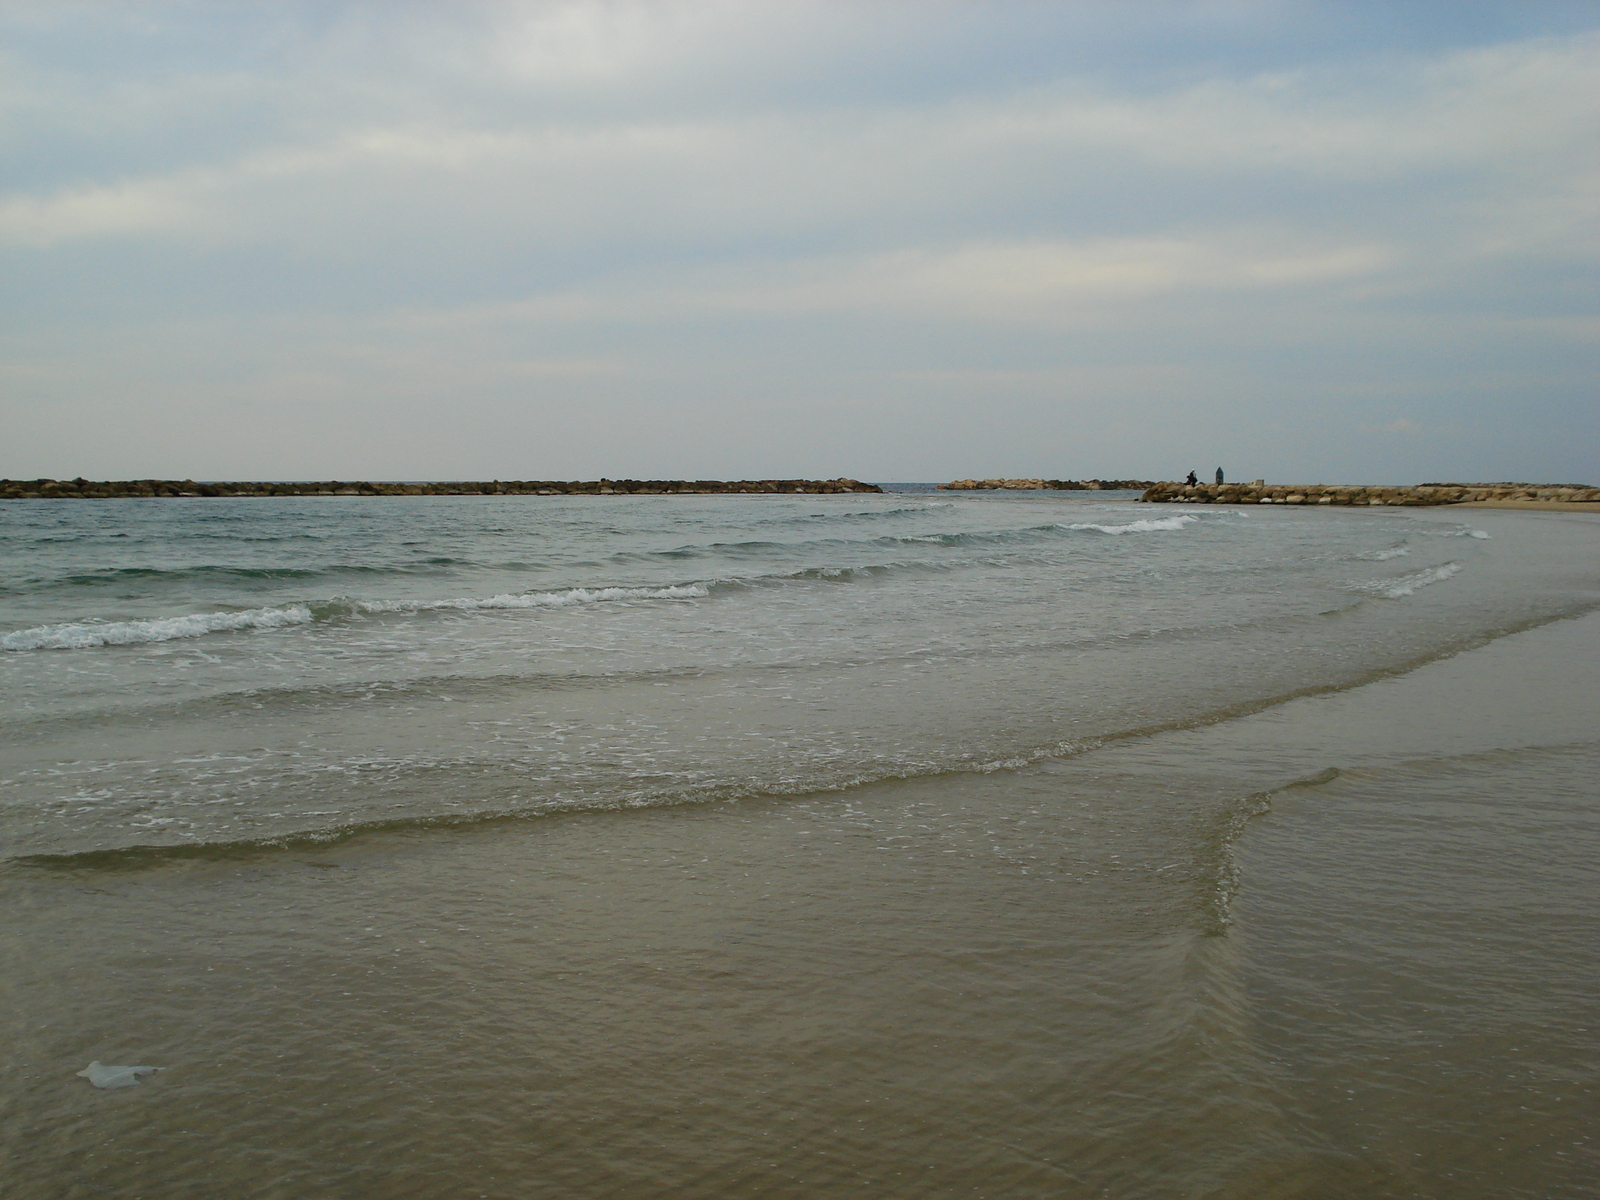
[{"x": 906, "y": 845}]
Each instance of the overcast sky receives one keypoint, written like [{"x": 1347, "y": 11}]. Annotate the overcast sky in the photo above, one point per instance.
[{"x": 1335, "y": 242}]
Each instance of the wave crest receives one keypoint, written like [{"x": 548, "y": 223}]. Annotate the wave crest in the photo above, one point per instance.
[
  {"x": 561, "y": 599},
  {"x": 81, "y": 635},
  {"x": 1144, "y": 525},
  {"x": 1407, "y": 585}
]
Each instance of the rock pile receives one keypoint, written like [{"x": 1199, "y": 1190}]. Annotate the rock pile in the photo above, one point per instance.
[
  {"x": 1047, "y": 485},
  {"x": 1319, "y": 493},
  {"x": 46, "y": 489}
]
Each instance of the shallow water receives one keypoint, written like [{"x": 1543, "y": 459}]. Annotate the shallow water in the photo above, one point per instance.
[{"x": 1283, "y": 890}]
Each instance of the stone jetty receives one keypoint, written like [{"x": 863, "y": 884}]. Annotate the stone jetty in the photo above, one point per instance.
[
  {"x": 1322, "y": 493},
  {"x": 1047, "y": 485},
  {"x": 85, "y": 489}
]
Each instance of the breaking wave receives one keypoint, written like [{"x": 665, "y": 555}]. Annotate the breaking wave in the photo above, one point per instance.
[
  {"x": 1146, "y": 525},
  {"x": 561, "y": 599},
  {"x": 1407, "y": 585},
  {"x": 82, "y": 635}
]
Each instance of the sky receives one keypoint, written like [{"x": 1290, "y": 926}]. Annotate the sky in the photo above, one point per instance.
[{"x": 1307, "y": 242}]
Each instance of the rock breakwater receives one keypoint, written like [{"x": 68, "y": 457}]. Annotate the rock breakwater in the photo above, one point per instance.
[
  {"x": 1047, "y": 485},
  {"x": 1320, "y": 493},
  {"x": 86, "y": 489}
]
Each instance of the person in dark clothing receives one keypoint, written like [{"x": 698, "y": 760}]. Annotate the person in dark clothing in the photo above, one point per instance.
[
  {"x": 1192, "y": 480},
  {"x": 1219, "y": 476}
]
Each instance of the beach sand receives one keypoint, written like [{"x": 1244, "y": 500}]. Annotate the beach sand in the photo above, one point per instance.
[{"x": 1533, "y": 505}]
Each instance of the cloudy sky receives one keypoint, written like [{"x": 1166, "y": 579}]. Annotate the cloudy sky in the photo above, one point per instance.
[{"x": 1342, "y": 242}]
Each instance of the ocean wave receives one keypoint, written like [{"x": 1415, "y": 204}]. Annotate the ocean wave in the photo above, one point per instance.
[
  {"x": 759, "y": 549},
  {"x": 1407, "y": 585},
  {"x": 1034, "y": 533},
  {"x": 767, "y": 548},
  {"x": 92, "y": 633},
  {"x": 562, "y": 599},
  {"x": 121, "y": 576},
  {"x": 903, "y": 510},
  {"x": 873, "y": 514},
  {"x": 81, "y": 635},
  {"x": 1144, "y": 525},
  {"x": 844, "y": 574}
]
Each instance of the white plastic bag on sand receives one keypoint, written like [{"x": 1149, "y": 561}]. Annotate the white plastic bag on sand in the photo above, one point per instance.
[{"x": 103, "y": 1076}]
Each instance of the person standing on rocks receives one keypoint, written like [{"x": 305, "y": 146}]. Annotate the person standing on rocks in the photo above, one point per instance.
[
  {"x": 1219, "y": 476},
  {"x": 1192, "y": 480}
]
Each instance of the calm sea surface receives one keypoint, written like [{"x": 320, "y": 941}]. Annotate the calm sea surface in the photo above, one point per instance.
[{"x": 903, "y": 845}]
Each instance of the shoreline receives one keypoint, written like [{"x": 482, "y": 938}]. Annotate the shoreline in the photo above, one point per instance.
[
  {"x": 676, "y": 981},
  {"x": 1584, "y": 506}
]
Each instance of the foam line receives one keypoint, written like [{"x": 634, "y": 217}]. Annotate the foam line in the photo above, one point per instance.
[
  {"x": 1157, "y": 525},
  {"x": 79, "y": 635},
  {"x": 88, "y": 634}
]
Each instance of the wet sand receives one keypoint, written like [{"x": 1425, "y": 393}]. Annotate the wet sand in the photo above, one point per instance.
[
  {"x": 1336, "y": 948},
  {"x": 1533, "y": 505}
]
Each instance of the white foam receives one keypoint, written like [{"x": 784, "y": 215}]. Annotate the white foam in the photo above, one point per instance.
[
  {"x": 562, "y": 599},
  {"x": 565, "y": 599},
  {"x": 1477, "y": 533},
  {"x": 1148, "y": 525},
  {"x": 86, "y": 634},
  {"x": 1394, "y": 552},
  {"x": 1407, "y": 585}
]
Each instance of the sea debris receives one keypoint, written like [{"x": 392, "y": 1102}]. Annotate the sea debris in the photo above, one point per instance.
[{"x": 104, "y": 1076}]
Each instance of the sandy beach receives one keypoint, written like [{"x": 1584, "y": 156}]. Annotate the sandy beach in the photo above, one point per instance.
[{"x": 1532, "y": 505}]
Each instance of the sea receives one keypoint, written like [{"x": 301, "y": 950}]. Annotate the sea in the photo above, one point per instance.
[{"x": 902, "y": 845}]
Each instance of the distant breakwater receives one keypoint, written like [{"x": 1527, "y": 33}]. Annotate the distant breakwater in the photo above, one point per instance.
[
  {"x": 1047, "y": 485},
  {"x": 1320, "y": 493},
  {"x": 86, "y": 489}
]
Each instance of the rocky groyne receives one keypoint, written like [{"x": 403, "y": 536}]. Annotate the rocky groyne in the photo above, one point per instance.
[
  {"x": 1321, "y": 493},
  {"x": 1047, "y": 485},
  {"x": 86, "y": 489}
]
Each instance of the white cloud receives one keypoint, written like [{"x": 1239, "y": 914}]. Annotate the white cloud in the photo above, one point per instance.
[
  {"x": 1524, "y": 117},
  {"x": 1032, "y": 283},
  {"x": 140, "y": 207},
  {"x": 529, "y": 208}
]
